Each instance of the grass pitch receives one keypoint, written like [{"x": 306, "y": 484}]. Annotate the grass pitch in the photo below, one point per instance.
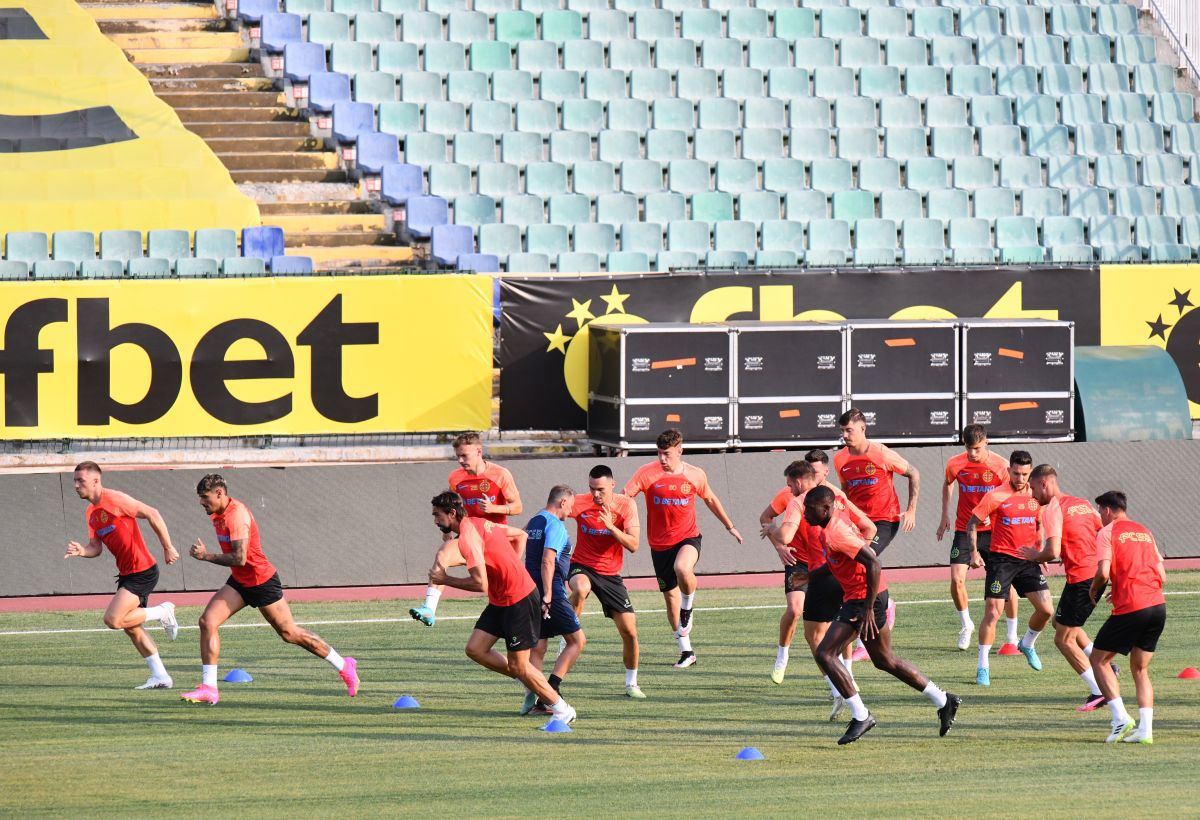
[{"x": 76, "y": 740}]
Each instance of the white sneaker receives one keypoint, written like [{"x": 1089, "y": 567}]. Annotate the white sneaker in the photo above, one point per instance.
[
  {"x": 1140, "y": 737},
  {"x": 839, "y": 703},
  {"x": 1120, "y": 728},
  {"x": 155, "y": 682},
  {"x": 779, "y": 671},
  {"x": 634, "y": 691},
  {"x": 168, "y": 620},
  {"x": 567, "y": 715},
  {"x": 964, "y": 636}
]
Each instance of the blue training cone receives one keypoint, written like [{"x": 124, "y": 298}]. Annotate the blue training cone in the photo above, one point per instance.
[
  {"x": 749, "y": 753},
  {"x": 554, "y": 725},
  {"x": 406, "y": 702},
  {"x": 238, "y": 676}
]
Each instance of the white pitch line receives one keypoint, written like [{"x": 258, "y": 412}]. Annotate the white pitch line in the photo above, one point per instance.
[{"x": 475, "y": 617}]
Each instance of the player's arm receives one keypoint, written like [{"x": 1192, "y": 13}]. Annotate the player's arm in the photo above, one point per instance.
[
  {"x": 908, "y": 519},
  {"x": 765, "y": 519},
  {"x": 628, "y": 539},
  {"x": 150, "y": 514},
  {"x": 92, "y": 549},
  {"x": 1050, "y": 551},
  {"x": 780, "y": 535},
  {"x": 870, "y": 562},
  {"x": 866, "y": 527},
  {"x": 1101, "y": 579},
  {"x": 973, "y": 537},
  {"x": 476, "y": 581},
  {"x": 1161, "y": 567},
  {"x": 947, "y": 493},
  {"x": 235, "y": 558},
  {"x": 549, "y": 559},
  {"x": 716, "y": 508},
  {"x": 518, "y": 538}
]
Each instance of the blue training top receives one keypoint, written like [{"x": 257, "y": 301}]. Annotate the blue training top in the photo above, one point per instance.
[{"x": 546, "y": 532}]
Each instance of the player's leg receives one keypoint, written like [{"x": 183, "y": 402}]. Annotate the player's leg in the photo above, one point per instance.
[
  {"x": 682, "y": 559},
  {"x": 792, "y": 612},
  {"x": 671, "y": 600},
  {"x": 626, "y": 624},
  {"x": 885, "y": 660},
  {"x": 279, "y": 615},
  {"x": 479, "y": 649},
  {"x": 579, "y": 586},
  {"x": 224, "y": 604},
  {"x": 127, "y": 611},
  {"x": 993, "y": 605},
  {"x": 960, "y": 561},
  {"x": 1139, "y": 667},
  {"x": 448, "y": 555},
  {"x": 1010, "y": 619},
  {"x": 520, "y": 668},
  {"x": 1122, "y": 723},
  {"x": 686, "y": 556},
  {"x": 828, "y": 657},
  {"x": 537, "y": 657},
  {"x": 1032, "y": 584}
]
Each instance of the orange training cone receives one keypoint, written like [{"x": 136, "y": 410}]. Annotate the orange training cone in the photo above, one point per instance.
[
  {"x": 1190, "y": 672},
  {"x": 1009, "y": 649}
]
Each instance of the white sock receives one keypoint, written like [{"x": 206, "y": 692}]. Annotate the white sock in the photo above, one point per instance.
[
  {"x": 965, "y": 617},
  {"x": 1089, "y": 677},
  {"x": 631, "y": 677},
  {"x": 849, "y": 664},
  {"x": 781, "y": 655},
  {"x": 686, "y": 601},
  {"x": 1087, "y": 650},
  {"x": 432, "y": 596},
  {"x": 858, "y": 644},
  {"x": 985, "y": 649},
  {"x": 153, "y": 613},
  {"x": 1031, "y": 636},
  {"x": 937, "y": 696},
  {"x": 1012, "y": 629},
  {"x": 559, "y": 708},
  {"x": 832, "y": 689},
  {"x": 1117, "y": 707},
  {"x": 335, "y": 660},
  {"x": 208, "y": 675},
  {"x": 1146, "y": 721},
  {"x": 685, "y": 643},
  {"x": 858, "y": 709},
  {"x": 156, "y": 666}
]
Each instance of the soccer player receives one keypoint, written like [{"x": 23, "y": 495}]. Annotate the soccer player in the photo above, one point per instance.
[
  {"x": 977, "y": 472},
  {"x": 850, "y": 559},
  {"x": 608, "y": 527},
  {"x": 671, "y": 487},
  {"x": 1015, "y": 516},
  {"x": 548, "y": 559},
  {"x": 112, "y": 522},
  {"x": 1127, "y": 554},
  {"x": 252, "y": 582},
  {"x": 1069, "y": 527},
  {"x": 492, "y": 553},
  {"x": 488, "y": 491}
]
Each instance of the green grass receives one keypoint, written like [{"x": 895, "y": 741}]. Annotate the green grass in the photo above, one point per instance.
[{"x": 76, "y": 740}]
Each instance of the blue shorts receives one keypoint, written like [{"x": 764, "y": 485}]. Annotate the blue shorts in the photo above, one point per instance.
[{"x": 562, "y": 620}]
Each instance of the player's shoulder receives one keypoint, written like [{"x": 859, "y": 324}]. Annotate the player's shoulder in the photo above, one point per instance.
[
  {"x": 456, "y": 475},
  {"x": 694, "y": 473},
  {"x": 583, "y": 503},
  {"x": 117, "y": 499},
  {"x": 997, "y": 461},
  {"x": 624, "y": 502},
  {"x": 955, "y": 462},
  {"x": 495, "y": 471},
  {"x": 841, "y": 456}
]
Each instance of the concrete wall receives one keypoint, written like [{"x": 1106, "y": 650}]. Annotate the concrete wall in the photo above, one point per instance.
[{"x": 370, "y": 524}]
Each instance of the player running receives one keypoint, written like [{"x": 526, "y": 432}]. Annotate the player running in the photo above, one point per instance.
[
  {"x": 548, "y": 559},
  {"x": 492, "y": 554},
  {"x": 977, "y": 472},
  {"x": 1127, "y": 554},
  {"x": 112, "y": 522},
  {"x": 850, "y": 559},
  {"x": 608, "y": 527},
  {"x": 1069, "y": 527},
  {"x": 1015, "y": 516},
  {"x": 488, "y": 491},
  {"x": 671, "y": 487},
  {"x": 252, "y": 582}
]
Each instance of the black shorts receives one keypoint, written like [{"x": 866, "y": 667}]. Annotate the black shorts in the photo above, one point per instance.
[
  {"x": 519, "y": 624},
  {"x": 1005, "y": 571},
  {"x": 852, "y": 612},
  {"x": 885, "y": 531},
  {"x": 960, "y": 549},
  {"x": 1140, "y": 628},
  {"x": 265, "y": 594},
  {"x": 823, "y": 600},
  {"x": 790, "y": 582},
  {"x": 1074, "y": 605},
  {"x": 140, "y": 584},
  {"x": 664, "y": 563},
  {"x": 562, "y": 620},
  {"x": 609, "y": 590}
]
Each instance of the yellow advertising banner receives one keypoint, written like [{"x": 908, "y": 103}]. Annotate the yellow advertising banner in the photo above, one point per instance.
[
  {"x": 233, "y": 357},
  {"x": 1155, "y": 305}
]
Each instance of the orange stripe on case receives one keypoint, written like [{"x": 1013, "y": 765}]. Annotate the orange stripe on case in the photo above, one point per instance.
[
  {"x": 672, "y": 363},
  {"x": 1019, "y": 405},
  {"x": 789, "y": 414},
  {"x": 900, "y": 342},
  {"x": 673, "y": 417},
  {"x": 1012, "y": 354}
]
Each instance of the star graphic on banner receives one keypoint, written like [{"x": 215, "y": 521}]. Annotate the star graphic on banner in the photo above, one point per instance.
[
  {"x": 1181, "y": 300},
  {"x": 581, "y": 312},
  {"x": 1158, "y": 328},
  {"x": 558, "y": 340},
  {"x": 615, "y": 301}
]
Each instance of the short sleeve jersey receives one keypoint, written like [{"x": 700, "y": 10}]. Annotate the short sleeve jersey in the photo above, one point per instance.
[
  {"x": 975, "y": 479},
  {"x": 1015, "y": 518},
  {"x": 595, "y": 546},
  {"x": 841, "y": 541},
  {"x": 113, "y": 522},
  {"x": 486, "y": 542},
  {"x": 1073, "y": 521},
  {"x": 237, "y": 524},
  {"x": 1130, "y": 547},
  {"x": 867, "y": 480},
  {"x": 546, "y": 532},
  {"x": 670, "y": 502},
  {"x": 495, "y": 484},
  {"x": 810, "y": 551}
]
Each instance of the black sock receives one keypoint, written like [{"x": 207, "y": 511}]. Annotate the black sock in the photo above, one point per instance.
[{"x": 555, "y": 682}]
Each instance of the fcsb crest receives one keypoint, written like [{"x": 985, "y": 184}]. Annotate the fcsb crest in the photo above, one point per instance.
[
  {"x": 103, "y": 517},
  {"x": 484, "y": 486},
  {"x": 1032, "y": 504},
  {"x": 685, "y": 488},
  {"x": 869, "y": 469},
  {"x": 988, "y": 475}
]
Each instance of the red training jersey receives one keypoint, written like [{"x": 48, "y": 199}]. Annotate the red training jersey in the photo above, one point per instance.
[
  {"x": 486, "y": 541},
  {"x": 841, "y": 541},
  {"x": 1073, "y": 521},
  {"x": 1136, "y": 583},
  {"x": 113, "y": 522},
  {"x": 867, "y": 479},
  {"x": 1016, "y": 519},
  {"x": 237, "y": 524},
  {"x": 809, "y": 552},
  {"x": 495, "y": 484},
  {"x": 595, "y": 547},
  {"x": 670, "y": 502},
  {"x": 975, "y": 479}
]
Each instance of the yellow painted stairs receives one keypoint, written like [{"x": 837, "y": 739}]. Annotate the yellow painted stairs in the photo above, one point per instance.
[{"x": 201, "y": 65}]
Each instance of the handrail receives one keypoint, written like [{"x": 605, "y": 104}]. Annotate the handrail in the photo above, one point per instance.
[{"x": 1181, "y": 21}]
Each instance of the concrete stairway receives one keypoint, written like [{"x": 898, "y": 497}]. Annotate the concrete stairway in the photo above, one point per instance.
[{"x": 201, "y": 65}]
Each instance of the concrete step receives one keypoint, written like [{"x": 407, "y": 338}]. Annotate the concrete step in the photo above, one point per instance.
[
  {"x": 290, "y": 129},
  {"x": 201, "y": 70},
  {"x": 269, "y": 145},
  {"x": 289, "y": 175},
  {"x": 262, "y": 161},
  {"x": 330, "y": 207},
  {"x": 188, "y": 55},
  {"x": 367, "y": 256},
  {"x": 125, "y": 10},
  {"x": 179, "y": 39},
  {"x": 210, "y": 85},
  {"x": 235, "y": 115},
  {"x": 165, "y": 26},
  {"x": 222, "y": 99},
  {"x": 308, "y": 225},
  {"x": 339, "y": 239}
]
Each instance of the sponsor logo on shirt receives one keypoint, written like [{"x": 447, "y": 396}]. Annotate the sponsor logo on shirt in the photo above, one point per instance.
[
  {"x": 1079, "y": 509},
  {"x": 685, "y": 488},
  {"x": 869, "y": 469},
  {"x": 671, "y": 502},
  {"x": 1141, "y": 537},
  {"x": 861, "y": 482},
  {"x": 103, "y": 517},
  {"x": 106, "y": 530},
  {"x": 484, "y": 486},
  {"x": 1018, "y": 520},
  {"x": 988, "y": 476}
]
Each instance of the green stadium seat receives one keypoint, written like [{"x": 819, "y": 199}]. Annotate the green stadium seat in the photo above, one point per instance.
[
  {"x": 795, "y": 23},
  {"x": 594, "y": 238},
  {"x": 839, "y": 22},
  {"x": 423, "y": 148},
  {"x": 887, "y": 22},
  {"x": 629, "y": 55},
  {"x": 924, "y": 241},
  {"x": 629, "y": 115},
  {"x": 199, "y": 267},
  {"x": 998, "y": 141},
  {"x": 500, "y": 239},
  {"x": 548, "y": 239},
  {"x": 990, "y": 111},
  {"x": 762, "y": 143},
  {"x": 737, "y": 175},
  {"x": 326, "y": 27},
  {"x": 933, "y": 21},
  {"x": 120, "y": 245},
  {"x": 1162, "y": 170},
  {"x": 375, "y": 27},
  {"x": 696, "y": 83},
  {"x": 783, "y": 235},
  {"x": 490, "y": 56},
  {"x": 488, "y": 117},
  {"x": 376, "y": 87},
  {"x": 557, "y": 85},
  {"x": 616, "y": 209},
  {"x": 783, "y": 175},
  {"x": 151, "y": 268},
  {"x": 569, "y": 147},
  {"x": 1089, "y": 49},
  {"x": 726, "y": 259},
  {"x": 351, "y": 58},
  {"x": 415, "y": 86},
  {"x": 641, "y": 176},
  {"x": 449, "y": 118},
  {"x": 676, "y": 54},
  {"x": 545, "y": 179},
  {"x": 712, "y": 206},
  {"x": 946, "y": 112},
  {"x": 1154, "y": 79},
  {"x": 54, "y": 269},
  {"x": 629, "y": 262},
  {"x": 397, "y": 58},
  {"x": 449, "y": 180},
  {"x": 1095, "y": 140},
  {"x": 714, "y": 144},
  {"x": 828, "y": 242},
  {"x": 819, "y": 52},
  {"x": 877, "y": 175},
  {"x": 74, "y": 246},
  {"x": 1185, "y": 139},
  {"x": 643, "y": 237},
  {"x": 809, "y": 112},
  {"x": 577, "y": 262},
  {"x": 1088, "y": 202},
  {"x": 1135, "y": 49},
  {"x": 420, "y": 27},
  {"x": 855, "y": 112},
  {"x": 671, "y": 260},
  {"x": 926, "y": 81},
  {"x": 876, "y": 235},
  {"x": 1060, "y": 80},
  {"x": 900, "y": 205},
  {"x": 474, "y": 210},
  {"x": 999, "y": 52},
  {"x": 927, "y": 173},
  {"x": 736, "y": 236},
  {"x": 858, "y": 143},
  {"x": 880, "y": 81},
  {"x": 853, "y": 205},
  {"x": 833, "y": 81},
  {"x": 700, "y": 24},
  {"x": 33, "y": 246},
  {"x": 1135, "y": 201},
  {"x": 806, "y": 205},
  {"x": 747, "y": 23},
  {"x": 1082, "y": 109},
  {"x": 759, "y": 206},
  {"x": 583, "y": 115},
  {"x": 1017, "y": 81},
  {"x": 1047, "y": 140},
  {"x": 743, "y": 83},
  {"x": 721, "y": 54},
  {"x": 1116, "y": 171},
  {"x": 951, "y": 51},
  {"x": 953, "y": 142},
  {"x": 719, "y": 113},
  {"x": 1144, "y": 139},
  {"x": 1037, "y": 109},
  {"x": 594, "y": 178},
  {"x": 688, "y": 176},
  {"x": 1108, "y": 78},
  {"x": 1174, "y": 108},
  {"x": 14, "y": 270},
  {"x": 906, "y": 143},
  {"x": 765, "y": 53},
  {"x": 859, "y": 52},
  {"x": 536, "y": 56},
  {"x": 1109, "y": 230},
  {"x": 652, "y": 24},
  {"x": 979, "y": 22},
  {"x": 906, "y": 52},
  {"x": 526, "y": 263},
  {"x": 649, "y": 84},
  {"x": 832, "y": 174},
  {"x": 765, "y": 113},
  {"x": 948, "y": 203},
  {"x": 900, "y": 112},
  {"x": 993, "y": 203},
  {"x": 498, "y": 179},
  {"x": 523, "y": 210},
  {"x": 971, "y": 80},
  {"x": 216, "y": 243},
  {"x": 971, "y": 173},
  {"x": 664, "y": 144},
  {"x": 664, "y": 207}
]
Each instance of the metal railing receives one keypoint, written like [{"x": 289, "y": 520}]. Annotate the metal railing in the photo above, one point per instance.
[{"x": 1180, "y": 20}]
